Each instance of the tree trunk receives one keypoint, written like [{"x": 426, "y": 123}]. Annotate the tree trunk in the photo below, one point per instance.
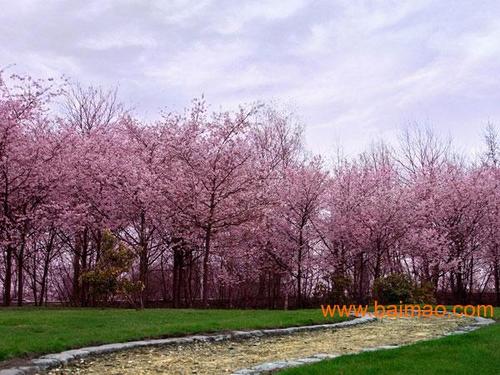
[
  {"x": 378, "y": 264},
  {"x": 471, "y": 280},
  {"x": 177, "y": 274},
  {"x": 360, "y": 269},
  {"x": 206, "y": 255},
  {"x": 458, "y": 286},
  {"x": 76, "y": 293},
  {"x": 164, "y": 292},
  {"x": 35, "y": 281},
  {"x": 143, "y": 260},
  {"x": 299, "y": 270},
  {"x": 143, "y": 272},
  {"x": 20, "y": 270},
  {"x": 46, "y": 264},
  {"x": 20, "y": 277},
  {"x": 84, "y": 287},
  {"x": 189, "y": 286},
  {"x": 44, "y": 279},
  {"x": 497, "y": 282},
  {"x": 8, "y": 276}
]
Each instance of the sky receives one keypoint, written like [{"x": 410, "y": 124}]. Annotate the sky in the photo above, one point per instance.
[{"x": 353, "y": 72}]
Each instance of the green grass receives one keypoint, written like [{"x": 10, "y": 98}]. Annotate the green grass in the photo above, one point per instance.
[
  {"x": 29, "y": 331},
  {"x": 476, "y": 352}
]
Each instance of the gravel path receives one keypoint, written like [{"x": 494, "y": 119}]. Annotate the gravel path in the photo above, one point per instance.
[{"x": 226, "y": 357}]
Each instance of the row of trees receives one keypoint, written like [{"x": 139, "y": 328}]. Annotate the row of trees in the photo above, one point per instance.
[{"x": 201, "y": 208}]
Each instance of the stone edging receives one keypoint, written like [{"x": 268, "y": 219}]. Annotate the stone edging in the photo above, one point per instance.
[
  {"x": 49, "y": 361},
  {"x": 269, "y": 367}
]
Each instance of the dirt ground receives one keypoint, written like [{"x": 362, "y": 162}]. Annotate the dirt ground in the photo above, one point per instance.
[{"x": 227, "y": 356}]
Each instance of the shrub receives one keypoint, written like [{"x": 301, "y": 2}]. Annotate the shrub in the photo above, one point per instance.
[
  {"x": 337, "y": 293},
  {"x": 393, "y": 289},
  {"x": 340, "y": 286},
  {"x": 424, "y": 293},
  {"x": 108, "y": 279}
]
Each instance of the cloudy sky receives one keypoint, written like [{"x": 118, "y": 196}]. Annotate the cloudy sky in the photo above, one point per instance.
[{"x": 353, "y": 71}]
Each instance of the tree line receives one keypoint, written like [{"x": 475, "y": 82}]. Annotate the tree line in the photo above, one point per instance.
[{"x": 203, "y": 208}]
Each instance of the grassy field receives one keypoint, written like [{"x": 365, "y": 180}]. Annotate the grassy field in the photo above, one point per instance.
[
  {"x": 476, "y": 352},
  {"x": 28, "y": 331}
]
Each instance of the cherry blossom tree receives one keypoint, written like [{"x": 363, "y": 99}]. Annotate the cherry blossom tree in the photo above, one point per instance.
[{"x": 228, "y": 209}]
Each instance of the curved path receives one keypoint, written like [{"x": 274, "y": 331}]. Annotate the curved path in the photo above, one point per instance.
[{"x": 267, "y": 350}]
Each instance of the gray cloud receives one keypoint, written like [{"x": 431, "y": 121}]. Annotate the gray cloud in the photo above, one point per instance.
[{"x": 354, "y": 71}]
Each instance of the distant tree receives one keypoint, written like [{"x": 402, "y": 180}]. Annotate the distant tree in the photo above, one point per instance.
[{"x": 492, "y": 141}]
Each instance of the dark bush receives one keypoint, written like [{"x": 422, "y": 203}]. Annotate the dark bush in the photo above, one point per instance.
[
  {"x": 393, "y": 289},
  {"x": 340, "y": 286},
  {"x": 424, "y": 293}
]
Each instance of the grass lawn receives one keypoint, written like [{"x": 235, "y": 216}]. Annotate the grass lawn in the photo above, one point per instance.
[
  {"x": 476, "y": 352},
  {"x": 29, "y": 331}
]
